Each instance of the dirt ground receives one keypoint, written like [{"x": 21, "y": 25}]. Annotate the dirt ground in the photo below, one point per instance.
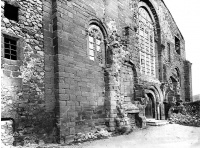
[{"x": 166, "y": 136}]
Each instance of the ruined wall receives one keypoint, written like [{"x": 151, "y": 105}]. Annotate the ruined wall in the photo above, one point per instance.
[
  {"x": 127, "y": 83},
  {"x": 22, "y": 87},
  {"x": 54, "y": 66},
  {"x": 188, "y": 81},
  {"x": 170, "y": 58},
  {"x": 79, "y": 81},
  {"x": 87, "y": 92},
  {"x": 27, "y": 72}
]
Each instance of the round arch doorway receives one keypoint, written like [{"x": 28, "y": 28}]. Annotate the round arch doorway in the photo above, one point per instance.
[{"x": 150, "y": 107}]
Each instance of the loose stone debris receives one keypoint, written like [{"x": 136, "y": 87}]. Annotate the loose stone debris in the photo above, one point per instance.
[
  {"x": 188, "y": 114},
  {"x": 185, "y": 119},
  {"x": 99, "y": 134}
]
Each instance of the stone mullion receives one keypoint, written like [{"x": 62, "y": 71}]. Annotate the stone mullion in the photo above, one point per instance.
[{"x": 95, "y": 50}]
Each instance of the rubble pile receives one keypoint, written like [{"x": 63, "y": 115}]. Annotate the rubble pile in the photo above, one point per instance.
[
  {"x": 188, "y": 115},
  {"x": 185, "y": 119},
  {"x": 99, "y": 134}
]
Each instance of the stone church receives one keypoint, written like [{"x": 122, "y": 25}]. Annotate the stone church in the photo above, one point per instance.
[{"x": 91, "y": 63}]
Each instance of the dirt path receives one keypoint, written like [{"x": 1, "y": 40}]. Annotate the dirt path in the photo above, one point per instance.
[{"x": 167, "y": 136}]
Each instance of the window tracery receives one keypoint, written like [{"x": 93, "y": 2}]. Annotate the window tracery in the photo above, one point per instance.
[
  {"x": 95, "y": 44},
  {"x": 146, "y": 43}
]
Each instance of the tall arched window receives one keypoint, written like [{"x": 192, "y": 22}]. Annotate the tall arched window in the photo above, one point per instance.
[
  {"x": 95, "y": 44},
  {"x": 146, "y": 43}
]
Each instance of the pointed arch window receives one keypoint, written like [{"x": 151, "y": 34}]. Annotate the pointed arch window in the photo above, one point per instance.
[
  {"x": 95, "y": 44},
  {"x": 146, "y": 43}
]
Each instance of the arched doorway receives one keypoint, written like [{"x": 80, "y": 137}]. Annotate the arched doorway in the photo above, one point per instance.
[
  {"x": 172, "y": 96},
  {"x": 150, "y": 106}
]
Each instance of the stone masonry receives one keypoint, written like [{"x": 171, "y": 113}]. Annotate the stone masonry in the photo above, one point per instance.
[
  {"x": 56, "y": 70},
  {"x": 22, "y": 79}
]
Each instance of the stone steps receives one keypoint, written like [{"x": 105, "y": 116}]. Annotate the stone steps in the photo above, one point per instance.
[{"x": 154, "y": 122}]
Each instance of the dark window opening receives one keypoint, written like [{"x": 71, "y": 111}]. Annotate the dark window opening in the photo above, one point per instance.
[
  {"x": 177, "y": 45},
  {"x": 168, "y": 52},
  {"x": 11, "y": 12},
  {"x": 10, "y": 48}
]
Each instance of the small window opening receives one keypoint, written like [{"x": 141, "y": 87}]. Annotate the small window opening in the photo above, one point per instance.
[
  {"x": 168, "y": 52},
  {"x": 10, "y": 48},
  {"x": 177, "y": 45},
  {"x": 11, "y": 12}
]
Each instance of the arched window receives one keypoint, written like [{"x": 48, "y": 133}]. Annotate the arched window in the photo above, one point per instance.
[
  {"x": 146, "y": 43},
  {"x": 95, "y": 44}
]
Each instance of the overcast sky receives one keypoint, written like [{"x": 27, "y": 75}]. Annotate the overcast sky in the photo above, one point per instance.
[{"x": 186, "y": 13}]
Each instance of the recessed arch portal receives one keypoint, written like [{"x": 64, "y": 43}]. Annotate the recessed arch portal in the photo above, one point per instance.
[
  {"x": 153, "y": 100},
  {"x": 150, "y": 106}
]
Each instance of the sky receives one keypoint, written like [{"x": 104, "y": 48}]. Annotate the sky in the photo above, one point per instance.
[{"x": 186, "y": 14}]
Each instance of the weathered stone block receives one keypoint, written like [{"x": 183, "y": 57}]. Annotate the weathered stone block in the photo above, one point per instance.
[
  {"x": 62, "y": 103},
  {"x": 72, "y": 114},
  {"x": 7, "y": 73},
  {"x": 64, "y": 97}
]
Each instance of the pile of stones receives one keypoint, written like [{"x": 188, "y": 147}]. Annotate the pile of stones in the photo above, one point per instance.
[
  {"x": 99, "y": 134},
  {"x": 185, "y": 119},
  {"x": 186, "y": 114}
]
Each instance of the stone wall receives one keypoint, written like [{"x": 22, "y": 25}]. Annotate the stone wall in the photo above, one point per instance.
[
  {"x": 87, "y": 93},
  {"x": 54, "y": 66},
  {"x": 169, "y": 30},
  {"x": 27, "y": 72},
  {"x": 22, "y": 80},
  {"x": 188, "y": 81},
  {"x": 80, "y": 88},
  {"x": 127, "y": 83},
  {"x": 49, "y": 56}
]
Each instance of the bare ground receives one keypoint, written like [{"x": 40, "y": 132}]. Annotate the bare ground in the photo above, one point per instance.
[{"x": 167, "y": 136}]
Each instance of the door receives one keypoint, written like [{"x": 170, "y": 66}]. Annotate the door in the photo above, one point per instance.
[{"x": 148, "y": 109}]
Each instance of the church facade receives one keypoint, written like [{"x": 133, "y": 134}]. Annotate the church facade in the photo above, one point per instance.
[{"x": 92, "y": 63}]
